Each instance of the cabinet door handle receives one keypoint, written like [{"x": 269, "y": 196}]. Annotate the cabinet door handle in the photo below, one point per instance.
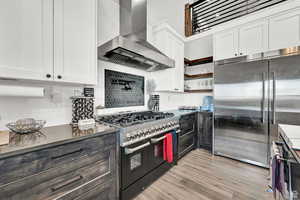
[
  {"x": 241, "y": 53},
  {"x": 48, "y": 75},
  {"x": 66, "y": 154},
  {"x": 235, "y": 54},
  {"x": 59, "y": 77},
  {"x": 68, "y": 182}
]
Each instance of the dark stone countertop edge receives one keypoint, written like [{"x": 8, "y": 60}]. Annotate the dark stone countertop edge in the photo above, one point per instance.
[
  {"x": 294, "y": 152},
  {"x": 187, "y": 112},
  {"x": 57, "y": 143}
]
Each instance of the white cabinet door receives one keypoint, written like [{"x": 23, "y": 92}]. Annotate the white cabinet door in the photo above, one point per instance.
[
  {"x": 75, "y": 41},
  {"x": 26, "y": 39},
  {"x": 284, "y": 30},
  {"x": 226, "y": 45},
  {"x": 178, "y": 72},
  {"x": 163, "y": 78},
  {"x": 253, "y": 38},
  {"x": 170, "y": 79},
  {"x": 108, "y": 20}
]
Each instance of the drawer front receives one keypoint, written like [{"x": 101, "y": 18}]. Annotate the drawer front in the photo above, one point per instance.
[
  {"x": 100, "y": 192},
  {"x": 55, "y": 182},
  {"x": 17, "y": 167},
  {"x": 186, "y": 144}
]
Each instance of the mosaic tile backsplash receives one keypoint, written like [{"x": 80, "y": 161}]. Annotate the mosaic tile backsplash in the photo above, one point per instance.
[{"x": 122, "y": 89}]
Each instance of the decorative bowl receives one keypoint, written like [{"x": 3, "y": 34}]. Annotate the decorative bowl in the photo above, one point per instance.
[{"x": 25, "y": 126}]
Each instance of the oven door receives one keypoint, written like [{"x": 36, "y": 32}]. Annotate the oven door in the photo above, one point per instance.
[
  {"x": 134, "y": 162},
  {"x": 187, "y": 124},
  {"x": 157, "y": 150}
]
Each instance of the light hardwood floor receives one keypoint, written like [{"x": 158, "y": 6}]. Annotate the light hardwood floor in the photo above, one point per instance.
[{"x": 201, "y": 176}]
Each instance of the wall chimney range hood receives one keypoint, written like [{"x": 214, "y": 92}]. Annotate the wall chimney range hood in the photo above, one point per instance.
[{"x": 131, "y": 48}]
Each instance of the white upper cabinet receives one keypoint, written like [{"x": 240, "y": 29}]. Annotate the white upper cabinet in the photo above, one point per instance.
[
  {"x": 53, "y": 40},
  {"x": 178, "y": 56},
  {"x": 75, "y": 41},
  {"x": 245, "y": 40},
  {"x": 108, "y": 20},
  {"x": 226, "y": 44},
  {"x": 253, "y": 38},
  {"x": 273, "y": 33},
  {"x": 26, "y": 39},
  {"x": 285, "y": 30},
  {"x": 168, "y": 42}
]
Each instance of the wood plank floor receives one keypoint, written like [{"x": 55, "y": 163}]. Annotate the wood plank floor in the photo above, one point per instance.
[{"x": 199, "y": 175}]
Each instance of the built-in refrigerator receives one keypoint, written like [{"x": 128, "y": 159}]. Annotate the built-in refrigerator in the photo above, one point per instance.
[{"x": 251, "y": 99}]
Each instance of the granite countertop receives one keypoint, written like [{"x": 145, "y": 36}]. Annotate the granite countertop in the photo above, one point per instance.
[
  {"x": 12, "y": 143},
  {"x": 291, "y": 136}
]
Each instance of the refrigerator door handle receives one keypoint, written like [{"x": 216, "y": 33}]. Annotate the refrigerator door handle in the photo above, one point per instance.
[
  {"x": 263, "y": 98},
  {"x": 274, "y": 98}
]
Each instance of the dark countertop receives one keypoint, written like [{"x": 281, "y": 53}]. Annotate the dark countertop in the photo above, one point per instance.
[
  {"x": 13, "y": 144},
  {"x": 185, "y": 112}
]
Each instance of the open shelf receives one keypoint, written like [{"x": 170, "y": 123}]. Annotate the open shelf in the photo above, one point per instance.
[
  {"x": 198, "y": 76},
  {"x": 198, "y": 61},
  {"x": 199, "y": 91}
]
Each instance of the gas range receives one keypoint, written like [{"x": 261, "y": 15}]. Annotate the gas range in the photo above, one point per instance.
[{"x": 138, "y": 126}]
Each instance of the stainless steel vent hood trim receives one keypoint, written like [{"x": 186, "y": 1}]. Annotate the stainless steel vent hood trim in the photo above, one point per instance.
[
  {"x": 268, "y": 55},
  {"x": 131, "y": 47}
]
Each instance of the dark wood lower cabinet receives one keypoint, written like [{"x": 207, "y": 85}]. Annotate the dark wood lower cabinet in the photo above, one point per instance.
[
  {"x": 205, "y": 130},
  {"x": 79, "y": 171}
]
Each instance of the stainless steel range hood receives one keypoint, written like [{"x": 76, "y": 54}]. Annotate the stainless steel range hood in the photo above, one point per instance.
[{"x": 131, "y": 47}]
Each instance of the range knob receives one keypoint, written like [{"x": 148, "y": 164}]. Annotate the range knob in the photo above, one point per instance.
[
  {"x": 140, "y": 133},
  {"x": 157, "y": 128}
]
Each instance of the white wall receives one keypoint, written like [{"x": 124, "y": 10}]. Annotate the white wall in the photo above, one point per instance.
[
  {"x": 55, "y": 107},
  {"x": 199, "y": 48},
  {"x": 170, "y": 11}
]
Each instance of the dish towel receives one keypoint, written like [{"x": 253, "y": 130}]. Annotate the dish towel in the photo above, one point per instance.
[
  {"x": 278, "y": 182},
  {"x": 168, "y": 148}
]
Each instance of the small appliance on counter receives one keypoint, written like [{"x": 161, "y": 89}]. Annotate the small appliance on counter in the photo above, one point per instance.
[
  {"x": 82, "y": 108},
  {"x": 26, "y": 126},
  {"x": 153, "y": 103},
  {"x": 208, "y": 104}
]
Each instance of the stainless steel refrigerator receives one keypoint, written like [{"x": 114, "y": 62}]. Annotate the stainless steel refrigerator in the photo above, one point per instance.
[{"x": 251, "y": 99}]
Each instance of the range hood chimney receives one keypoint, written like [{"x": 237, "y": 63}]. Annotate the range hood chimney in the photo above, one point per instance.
[{"x": 131, "y": 48}]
